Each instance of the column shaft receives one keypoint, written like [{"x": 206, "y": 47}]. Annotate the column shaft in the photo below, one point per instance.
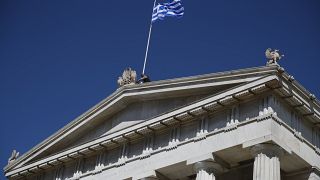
[
  {"x": 204, "y": 175},
  {"x": 266, "y": 168}
]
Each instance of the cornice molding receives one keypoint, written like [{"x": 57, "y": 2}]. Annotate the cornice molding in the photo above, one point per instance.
[
  {"x": 208, "y": 105},
  {"x": 261, "y": 118},
  {"x": 129, "y": 90}
]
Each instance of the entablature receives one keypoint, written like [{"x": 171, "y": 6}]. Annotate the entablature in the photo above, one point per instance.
[
  {"x": 184, "y": 114},
  {"x": 281, "y": 86}
]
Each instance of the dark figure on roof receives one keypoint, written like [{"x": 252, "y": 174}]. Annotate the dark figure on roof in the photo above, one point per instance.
[{"x": 144, "y": 78}]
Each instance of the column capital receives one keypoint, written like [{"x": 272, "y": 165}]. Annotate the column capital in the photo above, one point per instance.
[
  {"x": 208, "y": 166},
  {"x": 270, "y": 150}
]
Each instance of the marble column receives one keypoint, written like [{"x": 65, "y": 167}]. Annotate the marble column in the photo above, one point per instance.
[
  {"x": 266, "y": 162},
  {"x": 205, "y": 175},
  {"x": 206, "y": 170}
]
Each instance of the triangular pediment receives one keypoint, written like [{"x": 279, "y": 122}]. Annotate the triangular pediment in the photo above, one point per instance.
[
  {"x": 131, "y": 114},
  {"x": 135, "y": 104}
]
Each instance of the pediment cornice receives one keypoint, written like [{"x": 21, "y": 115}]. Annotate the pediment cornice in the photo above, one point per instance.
[
  {"x": 280, "y": 83},
  {"x": 129, "y": 93},
  {"x": 188, "y": 112}
]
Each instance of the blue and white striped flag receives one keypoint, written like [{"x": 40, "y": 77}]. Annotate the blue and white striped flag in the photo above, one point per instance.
[{"x": 173, "y": 8}]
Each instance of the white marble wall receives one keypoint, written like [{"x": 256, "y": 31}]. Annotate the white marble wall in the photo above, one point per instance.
[
  {"x": 183, "y": 132},
  {"x": 135, "y": 113},
  {"x": 301, "y": 125}
]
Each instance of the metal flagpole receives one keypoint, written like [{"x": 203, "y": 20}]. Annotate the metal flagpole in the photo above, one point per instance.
[{"x": 147, "y": 49}]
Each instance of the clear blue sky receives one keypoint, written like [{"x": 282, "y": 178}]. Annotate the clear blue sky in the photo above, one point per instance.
[{"x": 59, "y": 58}]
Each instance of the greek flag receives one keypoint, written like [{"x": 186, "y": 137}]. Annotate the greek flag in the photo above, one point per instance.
[{"x": 173, "y": 8}]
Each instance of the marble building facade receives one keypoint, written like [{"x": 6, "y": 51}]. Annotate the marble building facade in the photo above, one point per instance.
[{"x": 256, "y": 123}]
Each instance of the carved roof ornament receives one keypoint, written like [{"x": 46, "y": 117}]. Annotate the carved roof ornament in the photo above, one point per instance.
[
  {"x": 128, "y": 77},
  {"x": 312, "y": 97},
  {"x": 13, "y": 157},
  {"x": 273, "y": 55}
]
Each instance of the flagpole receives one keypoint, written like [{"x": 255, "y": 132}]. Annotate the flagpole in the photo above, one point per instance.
[{"x": 147, "y": 49}]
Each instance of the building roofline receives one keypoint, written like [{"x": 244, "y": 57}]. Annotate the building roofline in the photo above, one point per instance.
[{"x": 157, "y": 84}]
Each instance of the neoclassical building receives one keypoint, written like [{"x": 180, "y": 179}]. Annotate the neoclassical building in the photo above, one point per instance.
[{"x": 256, "y": 123}]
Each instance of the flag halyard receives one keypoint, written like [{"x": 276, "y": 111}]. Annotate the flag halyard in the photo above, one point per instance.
[{"x": 160, "y": 11}]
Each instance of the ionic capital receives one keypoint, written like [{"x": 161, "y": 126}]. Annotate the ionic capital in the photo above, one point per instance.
[
  {"x": 270, "y": 150},
  {"x": 208, "y": 166}
]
